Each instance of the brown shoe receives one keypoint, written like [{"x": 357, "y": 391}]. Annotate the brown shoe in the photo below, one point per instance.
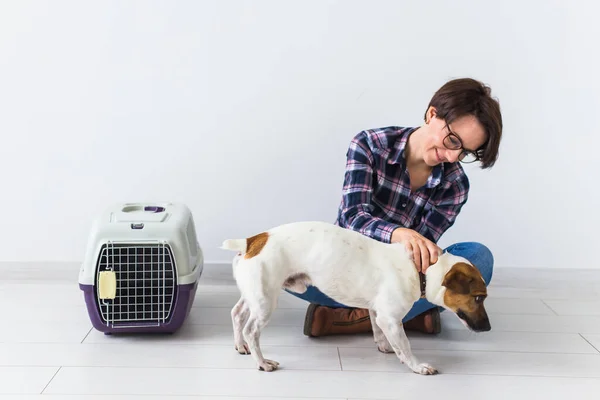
[
  {"x": 324, "y": 321},
  {"x": 426, "y": 322}
]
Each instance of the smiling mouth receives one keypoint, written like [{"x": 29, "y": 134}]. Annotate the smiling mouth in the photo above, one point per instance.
[{"x": 437, "y": 155}]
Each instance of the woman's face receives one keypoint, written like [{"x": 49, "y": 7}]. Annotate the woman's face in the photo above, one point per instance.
[{"x": 466, "y": 133}]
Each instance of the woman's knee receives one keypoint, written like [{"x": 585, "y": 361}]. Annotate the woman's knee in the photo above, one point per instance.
[
  {"x": 486, "y": 263},
  {"x": 479, "y": 255}
]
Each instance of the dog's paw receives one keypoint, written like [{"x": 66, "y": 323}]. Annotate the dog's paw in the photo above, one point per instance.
[
  {"x": 268, "y": 365},
  {"x": 242, "y": 348},
  {"x": 385, "y": 347},
  {"x": 425, "y": 369}
]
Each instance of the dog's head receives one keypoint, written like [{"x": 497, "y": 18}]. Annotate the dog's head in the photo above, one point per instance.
[{"x": 464, "y": 293}]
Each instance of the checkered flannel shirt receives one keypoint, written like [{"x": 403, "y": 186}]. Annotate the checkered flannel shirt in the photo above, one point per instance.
[{"x": 376, "y": 193}]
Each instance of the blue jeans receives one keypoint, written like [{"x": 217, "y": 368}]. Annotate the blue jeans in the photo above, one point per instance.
[{"x": 478, "y": 254}]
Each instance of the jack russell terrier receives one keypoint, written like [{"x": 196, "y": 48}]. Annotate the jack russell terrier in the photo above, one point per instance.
[{"x": 355, "y": 270}]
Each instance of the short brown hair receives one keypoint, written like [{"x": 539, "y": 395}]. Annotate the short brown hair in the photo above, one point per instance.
[{"x": 466, "y": 96}]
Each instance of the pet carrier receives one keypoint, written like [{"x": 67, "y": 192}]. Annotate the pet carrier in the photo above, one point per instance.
[{"x": 141, "y": 268}]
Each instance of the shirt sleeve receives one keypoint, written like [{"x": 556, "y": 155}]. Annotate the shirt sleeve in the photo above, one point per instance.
[
  {"x": 356, "y": 207},
  {"x": 444, "y": 210}
]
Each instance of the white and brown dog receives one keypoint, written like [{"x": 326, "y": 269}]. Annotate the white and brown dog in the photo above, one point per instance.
[{"x": 354, "y": 270}]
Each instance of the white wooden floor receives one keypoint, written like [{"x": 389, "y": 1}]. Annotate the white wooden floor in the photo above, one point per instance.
[{"x": 544, "y": 344}]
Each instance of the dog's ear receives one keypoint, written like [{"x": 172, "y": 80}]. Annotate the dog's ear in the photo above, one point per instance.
[{"x": 459, "y": 279}]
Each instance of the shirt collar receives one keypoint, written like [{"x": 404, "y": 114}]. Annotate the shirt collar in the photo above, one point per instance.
[{"x": 397, "y": 156}]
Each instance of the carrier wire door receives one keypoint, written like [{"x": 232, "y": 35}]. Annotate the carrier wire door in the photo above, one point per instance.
[{"x": 146, "y": 279}]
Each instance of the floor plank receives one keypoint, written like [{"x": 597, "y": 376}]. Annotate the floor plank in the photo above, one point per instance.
[{"x": 543, "y": 343}]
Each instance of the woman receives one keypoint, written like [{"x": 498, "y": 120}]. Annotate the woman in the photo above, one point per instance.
[{"x": 407, "y": 185}]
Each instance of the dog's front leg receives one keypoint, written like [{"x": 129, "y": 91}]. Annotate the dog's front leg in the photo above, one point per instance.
[
  {"x": 383, "y": 345},
  {"x": 394, "y": 331}
]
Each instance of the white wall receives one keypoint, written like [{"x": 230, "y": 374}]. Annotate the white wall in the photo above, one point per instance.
[{"x": 247, "y": 108}]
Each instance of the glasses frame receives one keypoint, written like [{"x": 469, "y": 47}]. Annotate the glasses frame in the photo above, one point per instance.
[{"x": 464, "y": 153}]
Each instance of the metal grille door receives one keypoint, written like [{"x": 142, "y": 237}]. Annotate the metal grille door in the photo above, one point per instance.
[{"x": 146, "y": 280}]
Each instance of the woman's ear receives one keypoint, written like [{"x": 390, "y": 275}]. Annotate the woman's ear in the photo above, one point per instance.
[{"x": 431, "y": 112}]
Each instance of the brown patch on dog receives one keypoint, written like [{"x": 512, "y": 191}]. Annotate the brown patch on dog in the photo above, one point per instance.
[
  {"x": 255, "y": 244},
  {"x": 465, "y": 294},
  {"x": 297, "y": 283}
]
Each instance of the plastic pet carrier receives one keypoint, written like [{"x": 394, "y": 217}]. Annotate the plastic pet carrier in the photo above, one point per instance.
[{"x": 141, "y": 268}]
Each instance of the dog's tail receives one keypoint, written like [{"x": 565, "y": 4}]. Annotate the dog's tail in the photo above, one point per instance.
[{"x": 235, "y": 244}]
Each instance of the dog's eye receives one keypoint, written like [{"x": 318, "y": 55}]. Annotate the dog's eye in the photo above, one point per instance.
[{"x": 479, "y": 299}]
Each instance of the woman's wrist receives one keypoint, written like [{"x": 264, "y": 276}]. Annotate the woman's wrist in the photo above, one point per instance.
[{"x": 397, "y": 233}]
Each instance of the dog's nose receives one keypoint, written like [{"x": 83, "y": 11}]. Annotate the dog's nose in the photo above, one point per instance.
[{"x": 484, "y": 326}]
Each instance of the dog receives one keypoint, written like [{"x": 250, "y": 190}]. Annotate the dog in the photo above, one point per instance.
[{"x": 355, "y": 270}]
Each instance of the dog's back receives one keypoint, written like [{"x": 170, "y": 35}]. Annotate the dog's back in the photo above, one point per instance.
[{"x": 344, "y": 264}]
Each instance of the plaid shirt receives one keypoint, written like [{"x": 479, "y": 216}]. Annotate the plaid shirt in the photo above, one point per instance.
[{"x": 376, "y": 194}]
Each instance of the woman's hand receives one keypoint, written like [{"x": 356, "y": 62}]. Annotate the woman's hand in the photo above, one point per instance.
[{"x": 424, "y": 251}]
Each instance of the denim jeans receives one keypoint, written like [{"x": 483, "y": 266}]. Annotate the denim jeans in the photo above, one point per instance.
[{"x": 478, "y": 254}]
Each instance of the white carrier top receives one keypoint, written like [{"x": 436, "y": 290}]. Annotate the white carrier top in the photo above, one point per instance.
[{"x": 134, "y": 224}]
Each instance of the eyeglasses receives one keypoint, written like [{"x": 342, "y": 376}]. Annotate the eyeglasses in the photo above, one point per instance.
[{"x": 453, "y": 142}]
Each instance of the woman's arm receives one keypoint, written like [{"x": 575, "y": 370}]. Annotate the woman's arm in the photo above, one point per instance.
[{"x": 358, "y": 191}]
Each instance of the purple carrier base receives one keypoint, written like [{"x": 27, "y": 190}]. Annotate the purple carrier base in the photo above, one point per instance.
[{"x": 182, "y": 307}]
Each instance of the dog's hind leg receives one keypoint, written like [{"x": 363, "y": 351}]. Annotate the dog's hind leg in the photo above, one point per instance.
[
  {"x": 394, "y": 331},
  {"x": 260, "y": 314},
  {"x": 239, "y": 317},
  {"x": 383, "y": 345},
  {"x": 260, "y": 296}
]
